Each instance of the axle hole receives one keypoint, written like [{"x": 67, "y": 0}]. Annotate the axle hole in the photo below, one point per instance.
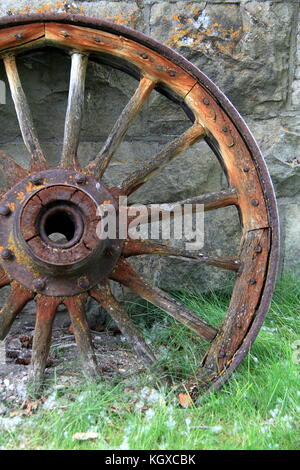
[{"x": 60, "y": 227}]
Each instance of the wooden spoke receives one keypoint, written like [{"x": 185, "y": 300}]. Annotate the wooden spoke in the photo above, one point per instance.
[
  {"x": 17, "y": 299},
  {"x": 74, "y": 110},
  {"x": 99, "y": 165},
  {"x": 4, "y": 279},
  {"x": 170, "y": 151},
  {"x": 146, "y": 247},
  {"x": 45, "y": 314},
  {"x": 104, "y": 296},
  {"x": 12, "y": 172},
  {"x": 76, "y": 308},
  {"x": 210, "y": 201},
  {"x": 126, "y": 275},
  {"x": 38, "y": 161}
]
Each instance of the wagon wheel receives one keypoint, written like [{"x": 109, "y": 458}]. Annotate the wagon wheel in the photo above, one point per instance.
[{"x": 38, "y": 200}]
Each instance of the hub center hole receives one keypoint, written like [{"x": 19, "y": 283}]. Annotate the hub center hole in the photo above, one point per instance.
[{"x": 61, "y": 225}]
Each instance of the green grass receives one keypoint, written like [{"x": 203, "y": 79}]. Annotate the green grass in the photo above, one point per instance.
[{"x": 258, "y": 409}]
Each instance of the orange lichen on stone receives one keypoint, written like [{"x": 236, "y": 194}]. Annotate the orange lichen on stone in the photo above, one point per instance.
[
  {"x": 214, "y": 36},
  {"x": 124, "y": 19}
]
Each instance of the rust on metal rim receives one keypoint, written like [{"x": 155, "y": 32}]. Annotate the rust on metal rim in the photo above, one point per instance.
[{"x": 214, "y": 118}]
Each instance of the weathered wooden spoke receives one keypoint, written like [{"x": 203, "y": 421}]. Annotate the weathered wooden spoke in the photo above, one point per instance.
[
  {"x": 38, "y": 161},
  {"x": 170, "y": 151},
  {"x": 74, "y": 110},
  {"x": 126, "y": 275},
  {"x": 216, "y": 200},
  {"x": 18, "y": 297},
  {"x": 105, "y": 298},
  {"x": 76, "y": 308},
  {"x": 146, "y": 247},
  {"x": 210, "y": 201},
  {"x": 46, "y": 201},
  {"x": 113, "y": 141},
  {"x": 45, "y": 313}
]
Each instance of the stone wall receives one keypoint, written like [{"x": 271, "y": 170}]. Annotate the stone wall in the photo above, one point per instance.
[{"x": 250, "y": 49}]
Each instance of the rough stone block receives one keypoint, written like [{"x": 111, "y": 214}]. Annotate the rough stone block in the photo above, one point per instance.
[
  {"x": 279, "y": 141},
  {"x": 242, "y": 47}
]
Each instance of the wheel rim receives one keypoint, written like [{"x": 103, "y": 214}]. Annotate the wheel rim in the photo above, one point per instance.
[{"x": 214, "y": 119}]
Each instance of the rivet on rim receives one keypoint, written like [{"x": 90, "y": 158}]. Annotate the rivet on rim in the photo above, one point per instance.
[
  {"x": 144, "y": 55},
  {"x": 254, "y": 202},
  {"x": 252, "y": 281},
  {"x": 258, "y": 249},
  {"x": 19, "y": 36},
  {"x": 65, "y": 34},
  {"x": 172, "y": 73},
  {"x": 206, "y": 101}
]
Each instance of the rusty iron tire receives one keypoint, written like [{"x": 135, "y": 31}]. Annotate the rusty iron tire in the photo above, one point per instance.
[{"x": 83, "y": 265}]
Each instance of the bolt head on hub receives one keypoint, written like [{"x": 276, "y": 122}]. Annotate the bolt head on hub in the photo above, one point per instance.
[
  {"x": 6, "y": 254},
  {"x": 5, "y": 210},
  {"x": 39, "y": 284},
  {"x": 80, "y": 178},
  {"x": 37, "y": 180}
]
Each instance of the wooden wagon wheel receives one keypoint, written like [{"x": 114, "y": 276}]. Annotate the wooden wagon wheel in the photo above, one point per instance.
[{"x": 52, "y": 273}]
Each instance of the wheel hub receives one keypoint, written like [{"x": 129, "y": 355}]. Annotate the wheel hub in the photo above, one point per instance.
[
  {"x": 64, "y": 219},
  {"x": 50, "y": 241}
]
